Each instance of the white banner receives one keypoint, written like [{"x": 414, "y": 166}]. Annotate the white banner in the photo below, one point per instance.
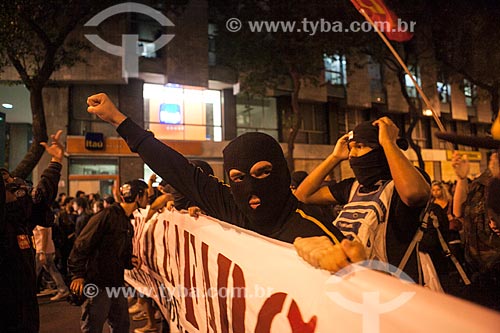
[{"x": 209, "y": 276}]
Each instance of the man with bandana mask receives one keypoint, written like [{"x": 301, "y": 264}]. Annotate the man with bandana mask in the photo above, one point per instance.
[
  {"x": 24, "y": 208},
  {"x": 259, "y": 198},
  {"x": 382, "y": 204}
]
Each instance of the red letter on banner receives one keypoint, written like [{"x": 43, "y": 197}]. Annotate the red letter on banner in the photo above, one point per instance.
[
  {"x": 189, "y": 285},
  {"x": 273, "y": 305}
]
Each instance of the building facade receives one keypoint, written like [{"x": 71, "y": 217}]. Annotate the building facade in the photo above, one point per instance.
[{"x": 194, "y": 105}]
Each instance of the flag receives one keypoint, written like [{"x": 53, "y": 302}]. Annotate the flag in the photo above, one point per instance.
[{"x": 386, "y": 20}]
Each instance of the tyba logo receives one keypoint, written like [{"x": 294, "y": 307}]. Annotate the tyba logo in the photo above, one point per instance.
[{"x": 128, "y": 50}]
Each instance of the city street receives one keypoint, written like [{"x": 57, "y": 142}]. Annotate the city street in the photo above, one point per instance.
[{"x": 62, "y": 317}]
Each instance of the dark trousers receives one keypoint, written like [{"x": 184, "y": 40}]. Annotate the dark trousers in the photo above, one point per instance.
[{"x": 95, "y": 312}]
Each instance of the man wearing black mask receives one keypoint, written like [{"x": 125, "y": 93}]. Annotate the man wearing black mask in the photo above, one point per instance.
[
  {"x": 24, "y": 208},
  {"x": 382, "y": 203},
  {"x": 259, "y": 198}
]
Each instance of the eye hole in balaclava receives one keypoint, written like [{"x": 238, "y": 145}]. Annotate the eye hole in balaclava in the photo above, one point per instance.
[{"x": 273, "y": 190}]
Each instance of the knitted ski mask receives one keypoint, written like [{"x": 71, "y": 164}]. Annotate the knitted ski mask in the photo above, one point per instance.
[
  {"x": 372, "y": 166},
  {"x": 274, "y": 190}
]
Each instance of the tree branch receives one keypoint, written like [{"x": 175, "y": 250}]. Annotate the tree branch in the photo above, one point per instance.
[
  {"x": 36, "y": 28},
  {"x": 20, "y": 69}
]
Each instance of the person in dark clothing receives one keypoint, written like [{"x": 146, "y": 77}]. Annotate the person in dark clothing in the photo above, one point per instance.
[
  {"x": 440, "y": 207},
  {"x": 326, "y": 212},
  {"x": 382, "y": 203},
  {"x": 108, "y": 201},
  {"x": 99, "y": 257},
  {"x": 64, "y": 229},
  {"x": 23, "y": 209},
  {"x": 259, "y": 197},
  {"x": 475, "y": 203},
  {"x": 80, "y": 205},
  {"x": 181, "y": 202}
]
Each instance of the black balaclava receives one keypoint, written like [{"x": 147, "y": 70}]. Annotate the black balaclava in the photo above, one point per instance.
[
  {"x": 274, "y": 190},
  {"x": 372, "y": 166}
]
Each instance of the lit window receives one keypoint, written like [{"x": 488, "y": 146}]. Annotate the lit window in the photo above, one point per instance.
[
  {"x": 410, "y": 86},
  {"x": 470, "y": 93},
  {"x": 146, "y": 49},
  {"x": 443, "y": 92},
  {"x": 335, "y": 69},
  {"x": 176, "y": 113}
]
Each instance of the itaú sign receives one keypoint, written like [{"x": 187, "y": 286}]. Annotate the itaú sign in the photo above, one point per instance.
[{"x": 94, "y": 141}]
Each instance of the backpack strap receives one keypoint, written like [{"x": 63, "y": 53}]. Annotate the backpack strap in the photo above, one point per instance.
[{"x": 448, "y": 253}]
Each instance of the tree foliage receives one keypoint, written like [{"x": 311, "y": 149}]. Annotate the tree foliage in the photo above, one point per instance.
[
  {"x": 281, "y": 58},
  {"x": 465, "y": 36},
  {"x": 34, "y": 39}
]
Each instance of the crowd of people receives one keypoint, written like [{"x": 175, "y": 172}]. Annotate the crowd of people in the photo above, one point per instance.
[{"x": 389, "y": 211}]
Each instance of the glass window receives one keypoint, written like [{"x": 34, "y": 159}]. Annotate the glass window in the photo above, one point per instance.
[
  {"x": 470, "y": 93},
  {"x": 314, "y": 129},
  {"x": 148, "y": 30},
  {"x": 376, "y": 85},
  {"x": 410, "y": 87},
  {"x": 443, "y": 92},
  {"x": 256, "y": 115},
  {"x": 177, "y": 113},
  {"x": 212, "y": 33},
  {"x": 335, "y": 69},
  {"x": 93, "y": 167},
  {"x": 146, "y": 49}
]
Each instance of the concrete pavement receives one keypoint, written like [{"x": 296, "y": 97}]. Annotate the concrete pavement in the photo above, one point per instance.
[{"x": 62, "y": 317}]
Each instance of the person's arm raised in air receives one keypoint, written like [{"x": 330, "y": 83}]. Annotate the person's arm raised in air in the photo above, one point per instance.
[
  {"x": 310, "y": 190},
  {"x": 410, "y": 184},
  {"x": 174, "y": 168},
  {"x": 461, "y": 166}
]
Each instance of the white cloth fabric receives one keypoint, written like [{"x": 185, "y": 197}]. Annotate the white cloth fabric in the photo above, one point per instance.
[{"x": 38, "y": 234}]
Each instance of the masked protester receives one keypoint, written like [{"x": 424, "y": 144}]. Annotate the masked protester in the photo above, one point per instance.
[
  {"x": 24, "y": 208},
  {"x": 259, "y": 198},
  {"x": 382, "y": 203}
]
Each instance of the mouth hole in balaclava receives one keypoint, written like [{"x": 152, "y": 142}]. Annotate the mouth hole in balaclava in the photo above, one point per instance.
[{"x": 242, "y": 154}]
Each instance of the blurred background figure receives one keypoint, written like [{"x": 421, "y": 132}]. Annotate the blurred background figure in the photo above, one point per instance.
[
  {"x": 80, "y": 205},
  {"x": 45, "y": 255}
]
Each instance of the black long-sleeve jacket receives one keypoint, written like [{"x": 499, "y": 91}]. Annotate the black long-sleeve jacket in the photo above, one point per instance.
[
  {"x": 19, "y": 310},
  {"x": 214, "y": 197},
  {"x": 103, "y": 250}
]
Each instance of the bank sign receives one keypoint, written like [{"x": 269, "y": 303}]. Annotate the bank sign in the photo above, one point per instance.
[{"x": 94, "y": 141}]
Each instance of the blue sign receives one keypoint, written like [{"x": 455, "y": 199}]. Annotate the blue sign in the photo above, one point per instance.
[
  {"x": 94, "y": 141},
  {"x": 170, "y": 114}
]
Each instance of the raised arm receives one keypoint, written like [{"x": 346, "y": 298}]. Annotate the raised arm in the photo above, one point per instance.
[
  {"x": 409, "y": 182},
  {"x": 46, "y": 190},
  {"x": 310, "y": 190},
  {"x": 151, "y": 189},
  {"x": 206, "y": 191},
  {"x": 461, "y": 166}
]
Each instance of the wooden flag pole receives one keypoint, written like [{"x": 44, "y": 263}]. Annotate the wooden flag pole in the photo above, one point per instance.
[{"x": 398, "y": 58}]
